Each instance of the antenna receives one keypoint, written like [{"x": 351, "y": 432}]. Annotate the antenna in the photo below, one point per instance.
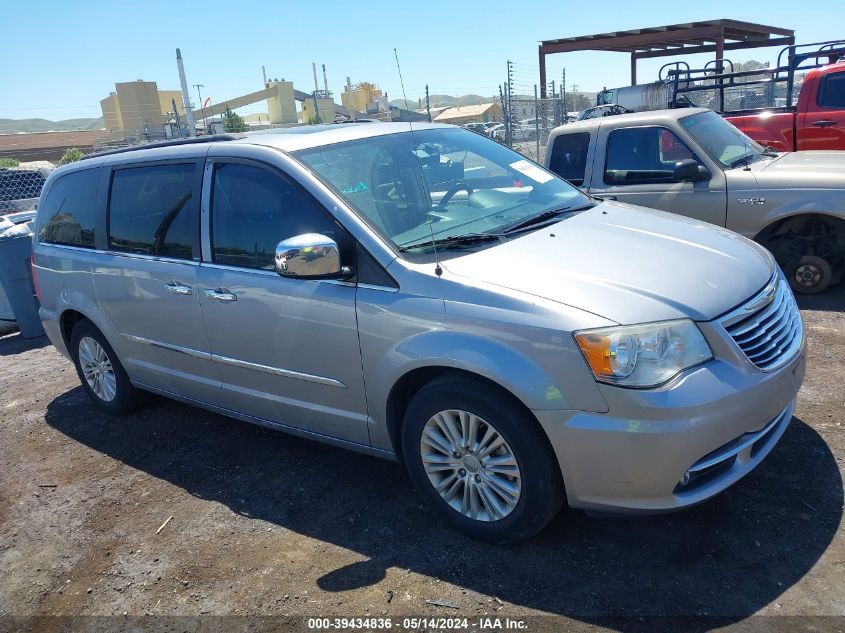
[{"x": 438, "y": 270}]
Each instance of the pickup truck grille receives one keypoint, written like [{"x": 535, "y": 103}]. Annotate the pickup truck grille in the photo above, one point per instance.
[{"x": 768, "y": 327}]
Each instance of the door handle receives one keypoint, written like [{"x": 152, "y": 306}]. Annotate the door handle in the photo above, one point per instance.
[
  {"x": 826, "y": 123},
  {"x": 177, "y": 288},
  {"x": 221, "y": 294}
]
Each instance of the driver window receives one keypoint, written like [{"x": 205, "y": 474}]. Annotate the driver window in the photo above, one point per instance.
[
  {"x": 253, "y": 209},
  {"x": 643, "y": 155}
]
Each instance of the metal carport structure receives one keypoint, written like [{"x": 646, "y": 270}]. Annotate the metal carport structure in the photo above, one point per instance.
[{"x": 674, "y": 39}]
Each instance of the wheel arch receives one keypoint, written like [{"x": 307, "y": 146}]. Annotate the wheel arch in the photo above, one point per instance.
[
  {"x": 799, "y": 220},
  {"x": 410, "y": 383}
]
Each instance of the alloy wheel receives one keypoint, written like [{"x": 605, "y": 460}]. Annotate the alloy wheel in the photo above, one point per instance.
[
  {"x": 97, "y": 369},
  {"x": 470, "y": 465}
]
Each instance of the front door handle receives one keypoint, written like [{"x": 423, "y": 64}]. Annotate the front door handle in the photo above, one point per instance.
[
  {"x": 825, "y": 123},
  {"x": 221, "y": 294},
  {"x": 178, "y": 288}
]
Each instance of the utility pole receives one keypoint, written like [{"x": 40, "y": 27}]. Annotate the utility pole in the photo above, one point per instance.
[
  {"x": 563, "y": 93},
  {"x": 427, "y": 104},
  {"x": 537, "y": 121},
  {"x": 264, "y": 74},
  {"x": 199, "y": 94},
  {"x": 509, "y": 131}
]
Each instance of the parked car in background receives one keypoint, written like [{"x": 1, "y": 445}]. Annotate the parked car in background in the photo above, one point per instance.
[
  {"x": 429, "y": 295},
  {"x": 599, "y": 111},
  {"x": 695, "y": 163},
  {"x": 497, "y": 132},
  {"x": 478, "y": 128}
]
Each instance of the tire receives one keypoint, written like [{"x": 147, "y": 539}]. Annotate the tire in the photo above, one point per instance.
[
  {"x": 111, "y": 390},
  {"x": 468, "y": 474},
  {"x": 811, "y": 276}
]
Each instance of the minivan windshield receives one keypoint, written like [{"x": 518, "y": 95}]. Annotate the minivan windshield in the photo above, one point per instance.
[
  {"x": 724, "y": 142},
  {"x": 441, "y": 188}
]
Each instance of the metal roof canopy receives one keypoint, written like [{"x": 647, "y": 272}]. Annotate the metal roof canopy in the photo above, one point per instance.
[{"x": 674, "y": 39}]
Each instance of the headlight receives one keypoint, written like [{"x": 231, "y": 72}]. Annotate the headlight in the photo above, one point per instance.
[{"x": 643, "y": 355}]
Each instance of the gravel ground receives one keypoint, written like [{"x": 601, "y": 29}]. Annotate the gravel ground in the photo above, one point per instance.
[{"x": 268, "y": 524}]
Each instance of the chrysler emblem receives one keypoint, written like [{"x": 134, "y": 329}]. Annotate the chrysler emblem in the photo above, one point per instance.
[{"x": 764, "y": 298}]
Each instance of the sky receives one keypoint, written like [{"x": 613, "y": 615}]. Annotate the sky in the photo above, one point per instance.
[{"x": 61, "y": 57}]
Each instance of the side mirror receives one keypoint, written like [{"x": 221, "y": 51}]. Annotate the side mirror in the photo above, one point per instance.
[
  {"x": 310, "y": 256},
  {"x": 686, "y": 171}
]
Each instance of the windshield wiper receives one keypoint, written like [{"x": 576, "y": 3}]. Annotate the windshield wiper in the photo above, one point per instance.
[
  {"x": 452, "y": 240},
  {"x": 743, "y": 159},
  {"x": 535, "y": 219}
]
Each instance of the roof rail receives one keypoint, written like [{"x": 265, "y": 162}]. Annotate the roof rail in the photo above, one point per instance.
[{"x": 179, "y": 141}]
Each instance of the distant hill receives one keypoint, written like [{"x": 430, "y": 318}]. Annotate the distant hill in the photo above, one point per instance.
[
  {"x": 442, "y": 101},
  {"x": 13, "y": 126}
]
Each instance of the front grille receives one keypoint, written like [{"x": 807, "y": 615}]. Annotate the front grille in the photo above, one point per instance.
[{"x": 768, "y": 328}]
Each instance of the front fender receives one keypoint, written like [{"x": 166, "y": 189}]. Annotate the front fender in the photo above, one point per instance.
[{"x": 538, "y": 365}]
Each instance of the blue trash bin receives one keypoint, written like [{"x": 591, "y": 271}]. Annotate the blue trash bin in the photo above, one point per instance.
[{"x": 16, "y": 277}]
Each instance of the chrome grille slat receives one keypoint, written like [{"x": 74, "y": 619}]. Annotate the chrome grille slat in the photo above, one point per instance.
[
  {"x": 768, "y": 327},
  {"x": 764, "y": 357},
  {"x": 744, "y": 327},
  {"x": 763, "y": 325},
  {"x": 765, "y": 337}
]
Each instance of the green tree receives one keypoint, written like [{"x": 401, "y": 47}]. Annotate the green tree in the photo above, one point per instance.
[
  {"x": 232, "y": 122},
  {"x": 9, "y": 162},
  {"x": 71, "y": 155}
]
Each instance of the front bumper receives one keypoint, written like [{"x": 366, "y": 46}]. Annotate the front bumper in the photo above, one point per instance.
[{"x": 717, "y": 422}]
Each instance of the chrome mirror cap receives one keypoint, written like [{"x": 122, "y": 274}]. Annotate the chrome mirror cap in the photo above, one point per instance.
[{"x": 309, "y": 256}]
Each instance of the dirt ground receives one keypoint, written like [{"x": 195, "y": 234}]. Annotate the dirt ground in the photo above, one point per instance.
[{"x": 264, "y": 524}]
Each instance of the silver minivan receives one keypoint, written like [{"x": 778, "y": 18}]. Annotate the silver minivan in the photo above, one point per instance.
[{"x": 427, "y": 295}]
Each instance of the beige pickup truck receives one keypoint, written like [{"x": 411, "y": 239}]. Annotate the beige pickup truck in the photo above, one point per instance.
[{"x": 694, "y": 163}]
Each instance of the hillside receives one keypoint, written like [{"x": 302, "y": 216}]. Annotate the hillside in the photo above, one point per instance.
[
  {"x": 442, "y": 101},
  {"x": 13, "y": 126}
]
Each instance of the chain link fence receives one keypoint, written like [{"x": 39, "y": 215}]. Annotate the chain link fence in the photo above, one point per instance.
[
  {"x": 528, "y": 118},
  {"x": 20, "y": 188}
]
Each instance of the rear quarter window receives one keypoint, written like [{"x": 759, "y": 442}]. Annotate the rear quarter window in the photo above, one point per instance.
[
  {"x": 832, "y": 91},
  {"x": 69, "y": 211},
  {"x": 569, "y": 157}
]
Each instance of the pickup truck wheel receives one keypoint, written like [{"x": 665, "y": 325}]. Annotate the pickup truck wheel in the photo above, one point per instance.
[
  {"x": 811, "y": 275},
  {"x": 479, "y": 461}
]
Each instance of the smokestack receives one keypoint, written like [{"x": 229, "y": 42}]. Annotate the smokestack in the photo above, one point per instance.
[
  {"x": 186, "y": 98},
  {"x": 264, "y": 74},
  {"x": 314, "y": 68},
  {"x": 325, "y": 80}
]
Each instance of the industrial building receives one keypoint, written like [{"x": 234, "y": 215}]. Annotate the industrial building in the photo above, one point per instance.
[
  {"x": 139, "y": 108},
  {"x": 363, "y": 97},
  {"x": 480, "y": 113}
]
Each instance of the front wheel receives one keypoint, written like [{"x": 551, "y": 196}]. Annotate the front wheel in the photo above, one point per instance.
[{"x": 480, "y": 461}]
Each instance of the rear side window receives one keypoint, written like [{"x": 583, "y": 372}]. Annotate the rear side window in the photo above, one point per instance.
[
  {"x": 253, "y": 209},
  {"x": 569, "y": 157},
  {"x": 151, "y": 210},
  {"x": 69, "y": 210},
  {"x": 832, "y": 92},
  {"x": 642, "y": 155}
]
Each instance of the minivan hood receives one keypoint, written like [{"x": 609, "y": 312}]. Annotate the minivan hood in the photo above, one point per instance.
[{"x": 627, "y": 264}]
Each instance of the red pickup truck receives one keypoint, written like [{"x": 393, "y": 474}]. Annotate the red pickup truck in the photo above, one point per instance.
[
  {"x": 816, "y": 122},
  {"x": 761, "y": 102}
]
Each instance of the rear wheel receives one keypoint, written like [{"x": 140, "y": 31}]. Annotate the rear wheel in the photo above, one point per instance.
[
  {"x": 100, "y": 372},
  {"x": 812, "y": 275},
  {"x": 480, "y": 461}
]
